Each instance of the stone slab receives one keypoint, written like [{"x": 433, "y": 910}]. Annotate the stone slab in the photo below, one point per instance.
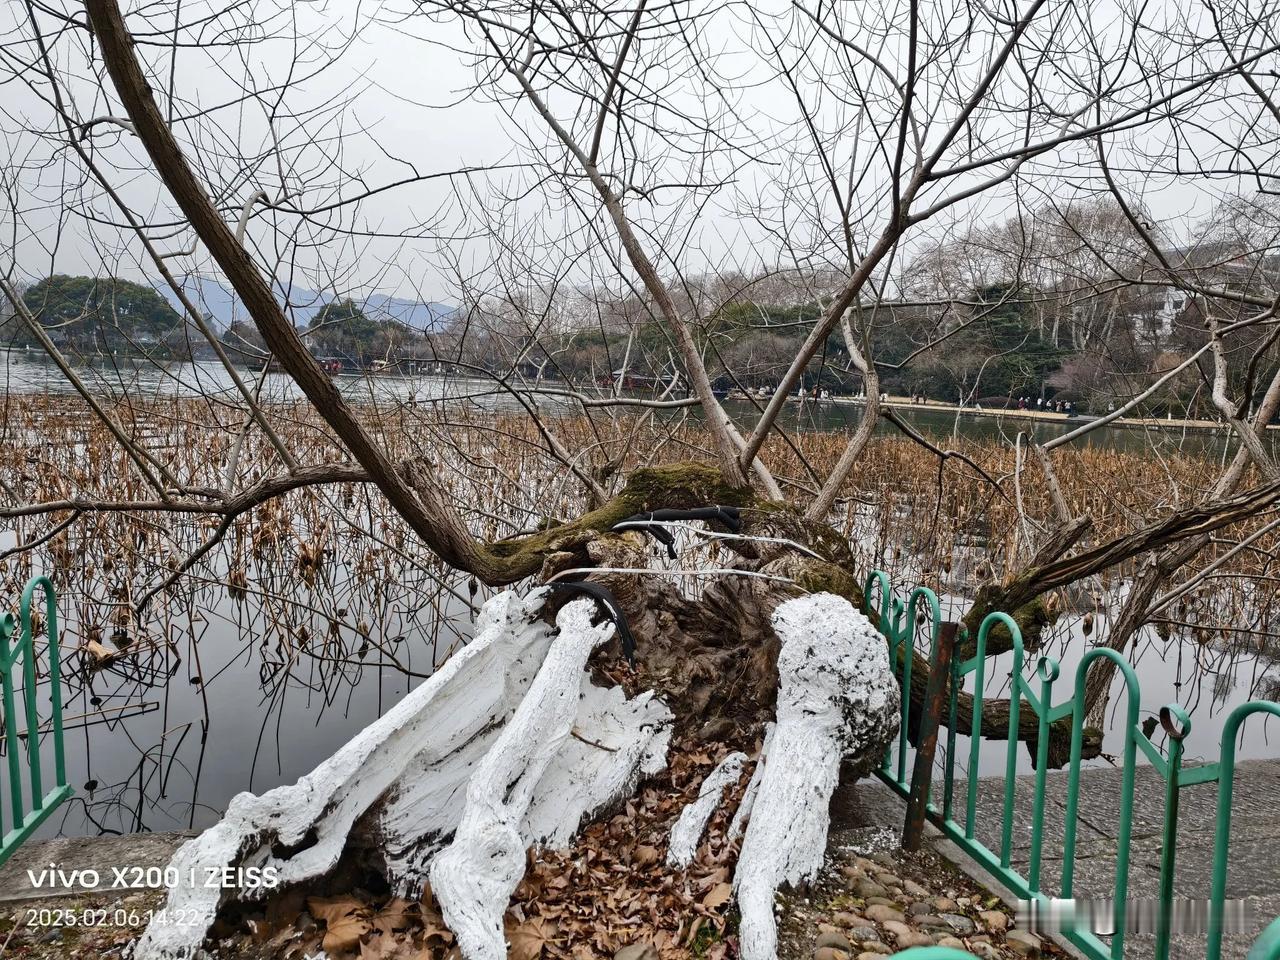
[
  {"x": 99, "y": 854},
  {"x": 1254, "y": 858}
]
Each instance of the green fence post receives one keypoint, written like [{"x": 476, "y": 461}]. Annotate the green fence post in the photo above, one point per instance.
[
  {"x": 1048, "y": 671},
  {"x": 42, "y": 804},
  {"x": 1125, "y": 832},
  {"x": 55, "y": 663},
  {"x": 1016, "y": 689},
  {"x": 7, "y": 659},
  {"x": 1222, "y": 833},
  {"x": 1176, "y": 726}
]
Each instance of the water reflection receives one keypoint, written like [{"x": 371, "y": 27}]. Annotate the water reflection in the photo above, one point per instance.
[
  {"x": 227, "y": 692},
  {"x": 28, "y": 372}
]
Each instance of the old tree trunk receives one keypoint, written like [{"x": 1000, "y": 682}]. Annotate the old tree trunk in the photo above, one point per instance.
[{"x": 568, "y": 698}]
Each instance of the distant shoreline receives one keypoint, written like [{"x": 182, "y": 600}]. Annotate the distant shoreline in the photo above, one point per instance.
[
  {"x": 937, "y": 406},
  {"x": 902, "y": 403}
]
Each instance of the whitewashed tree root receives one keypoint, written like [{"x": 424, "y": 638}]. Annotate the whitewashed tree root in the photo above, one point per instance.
[
  {"x": 473, "y": 878},
  {"x": 410, "y": 769},
  {"x": 692, "y": 822},
  {"x": 743, "y": 813},
  {"x": 837, "y": 700}
]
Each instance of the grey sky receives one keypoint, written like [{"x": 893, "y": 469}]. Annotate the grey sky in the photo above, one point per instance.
[{"x": 397, "y": 97}]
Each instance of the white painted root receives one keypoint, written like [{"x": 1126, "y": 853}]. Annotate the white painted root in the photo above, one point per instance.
[
  {"x": 743, "y": 813},
  {"x": 473, "y": 878},
  {"x": 692, "y": 822},
  {"x": 837, "y": 699},
  {"x": 410, "y": 769}
]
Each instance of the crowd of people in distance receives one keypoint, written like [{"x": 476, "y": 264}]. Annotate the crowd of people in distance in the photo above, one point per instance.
[
  {"x": 817, "y": 393},
  {"x": 1047, "y": 406}
]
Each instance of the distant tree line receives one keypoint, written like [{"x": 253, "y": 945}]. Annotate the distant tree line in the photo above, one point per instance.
[{"x": 88, "y": 315}]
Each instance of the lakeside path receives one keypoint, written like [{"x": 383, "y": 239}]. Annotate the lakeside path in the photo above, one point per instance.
[
  {"x": 1253, "y": 864},
  {"x": 937, "y": 406}
]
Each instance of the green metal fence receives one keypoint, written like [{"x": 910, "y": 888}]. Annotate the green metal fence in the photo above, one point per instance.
[
  {"x": 900, "y": 620},
  {"x": 1267, "y": 947},
  {"x": 24, "y": 822}
]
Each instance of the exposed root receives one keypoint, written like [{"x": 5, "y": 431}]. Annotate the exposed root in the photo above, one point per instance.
[
  {"x": 474, "y": 877},
  {"x": 693, "y": 819},
  {"x": 407, "y": 773},
  {"x": 511, "y": 746},
  {"x": 740, "y": 817},
  {"x": 837, "y": 700}
]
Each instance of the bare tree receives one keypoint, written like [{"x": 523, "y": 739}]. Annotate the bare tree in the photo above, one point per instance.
[{"x": 675, "y": 169}]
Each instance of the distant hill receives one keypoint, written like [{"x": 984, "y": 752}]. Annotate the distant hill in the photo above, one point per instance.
[{"x": 224, "y": 306}]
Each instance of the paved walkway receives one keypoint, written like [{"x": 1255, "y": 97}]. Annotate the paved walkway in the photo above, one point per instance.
[
  {"x": 1253, "y": 872},
  {"x": 1253, "y": 865},
  {"x": 100, "y": 854},
  {"x": 937, "y": 406}
]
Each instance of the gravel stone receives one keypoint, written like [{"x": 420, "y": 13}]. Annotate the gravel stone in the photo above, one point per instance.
[
  {"x": 834, "y": 939},
  {"x": 996, "y": 920},
  {"x": 880, "y": 913},
  {"x": 869, "y": 888},
  {"x": 898, "y": 929},
  {"x": 929, "y": 920},
  {"x": 915, "y": 938},
  {"x": 913, "y": 889},
  {"x": 959, "y": 923},
  {"x": 844, "y": 920},
  {"x": 1023, "y": 943}
]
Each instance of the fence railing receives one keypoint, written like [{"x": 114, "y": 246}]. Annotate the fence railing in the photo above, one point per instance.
[
  {"x": 900, "y": 620},
  {"x": 24, "y": 822}
]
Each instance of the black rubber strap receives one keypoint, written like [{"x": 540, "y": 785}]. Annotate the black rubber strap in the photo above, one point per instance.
[
  {"x": 728, "y": 516},
  {"x": 609, "y": 602}
]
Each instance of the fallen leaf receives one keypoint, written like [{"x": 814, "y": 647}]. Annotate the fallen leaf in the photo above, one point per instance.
[
  {"x": 528, "y": 939},
  {"x": 718, "y": 896},
  {"x": 380, "y": 948},
  {"x": 345, "y": 933},
  {"x": 395, "y": 916},
  {"x": 644, "y": 855},
  {"x": 345, "y": 918},
  {"x": 433, "y": 926}
]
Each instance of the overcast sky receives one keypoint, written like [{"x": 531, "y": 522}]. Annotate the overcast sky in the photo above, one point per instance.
[{"x": 398, "y": 98}]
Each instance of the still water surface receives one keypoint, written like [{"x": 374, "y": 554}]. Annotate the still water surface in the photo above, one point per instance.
[
  {"x": 141, "y": 756},
  {"x": 25, "y": 372}
]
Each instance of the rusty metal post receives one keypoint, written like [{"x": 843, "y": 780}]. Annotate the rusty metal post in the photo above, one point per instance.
[{"x": 935, "y": 701}]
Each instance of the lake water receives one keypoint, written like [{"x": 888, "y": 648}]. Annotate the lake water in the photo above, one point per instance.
[
  {"x": 164, "y": 742},
  {"x": 26, "y": 372}
]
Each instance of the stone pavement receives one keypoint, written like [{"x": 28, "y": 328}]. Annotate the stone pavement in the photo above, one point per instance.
[
  {"x": 100, "y": 854},
  {"x": 1253, "y": 871}
]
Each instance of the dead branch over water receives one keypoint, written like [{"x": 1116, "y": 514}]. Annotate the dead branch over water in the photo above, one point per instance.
[{"x": 322, "y": 541}]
